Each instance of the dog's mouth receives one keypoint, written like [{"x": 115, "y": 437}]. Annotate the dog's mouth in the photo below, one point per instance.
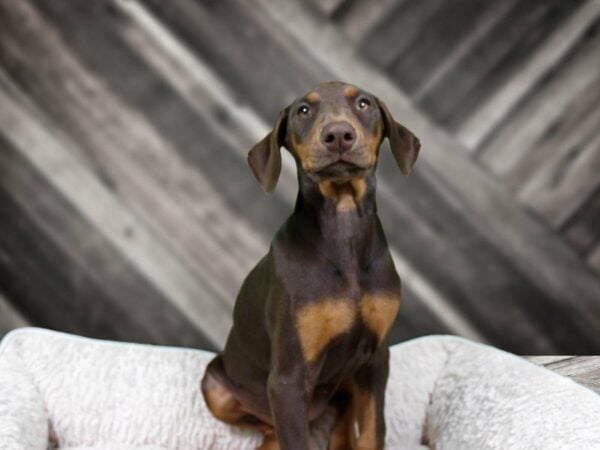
[
  {"x": 341, "y": 168},
  {"x": 351, "y": 164}
]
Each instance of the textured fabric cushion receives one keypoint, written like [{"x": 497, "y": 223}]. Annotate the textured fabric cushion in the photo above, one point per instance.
[{"x": 444, "y": 392}]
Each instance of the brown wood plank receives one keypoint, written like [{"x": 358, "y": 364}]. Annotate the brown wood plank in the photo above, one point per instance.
[
  {"x": 547, "y": 59},
  {"x": 535, "y": 251}
]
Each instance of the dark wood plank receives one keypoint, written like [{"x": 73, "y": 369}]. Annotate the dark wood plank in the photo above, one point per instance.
[
  {"x": 64, "y": 274},
  {"x": 551, "y": 118},
  {"x": 440, "y": 33},
  {"x": 10, "y": 318},
  {"x": 464, "y": 265},
  {"x": 360, "y": 16},
  {"x": 199, "y": 143},
  {"x": 330, "y": 8},
  {"x": 494, "y": 59},
  {"x": 561, "y": 186},
  {"x": 238, "y": 42},
  {"x": 593, "y": 258},
  {"x": 416, "y": 320},
  {"x": 582, "y": 230},
  {"x": 397, "y": 29},
  {"x": 546, "y": 59}
]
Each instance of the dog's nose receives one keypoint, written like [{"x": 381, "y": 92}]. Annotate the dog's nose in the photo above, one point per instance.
[{"x": 338, "y": 137}]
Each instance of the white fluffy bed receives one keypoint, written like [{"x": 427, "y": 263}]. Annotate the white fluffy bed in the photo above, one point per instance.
[{"x": 68, "y": 392}]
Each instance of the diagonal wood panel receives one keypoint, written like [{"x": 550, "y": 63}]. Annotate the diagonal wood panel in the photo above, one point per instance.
[
  {"x": 518, "y": 236},
  {"x": 9, "y": 317},
  {"x": 69, "y": 277},
  {"x": 157, "y": 103}
]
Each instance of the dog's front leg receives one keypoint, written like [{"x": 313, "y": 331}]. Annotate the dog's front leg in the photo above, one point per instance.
[
  {"x": 287, "y": 387},
  {"x": 288, "y": 402}
]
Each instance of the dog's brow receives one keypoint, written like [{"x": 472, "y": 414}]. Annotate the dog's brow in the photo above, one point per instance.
[
  {"x": 351, "y": 91},
  {"x": 313, "y": 97}
]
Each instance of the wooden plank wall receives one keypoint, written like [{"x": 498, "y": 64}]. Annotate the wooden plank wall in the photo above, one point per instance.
[{"x": 128, "y": 211}]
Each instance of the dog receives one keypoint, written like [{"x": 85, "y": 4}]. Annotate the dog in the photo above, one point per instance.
[{"x": 311, "y": 320}]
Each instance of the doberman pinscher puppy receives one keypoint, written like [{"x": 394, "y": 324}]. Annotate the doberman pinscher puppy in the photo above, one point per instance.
[{"x": 312, "y": 318}]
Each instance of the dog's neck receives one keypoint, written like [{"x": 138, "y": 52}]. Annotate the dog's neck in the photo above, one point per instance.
[{"x": 341, "y": 215}]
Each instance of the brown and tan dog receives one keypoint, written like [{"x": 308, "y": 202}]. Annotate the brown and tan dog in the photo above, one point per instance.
[{"x": 312, "y": 318}]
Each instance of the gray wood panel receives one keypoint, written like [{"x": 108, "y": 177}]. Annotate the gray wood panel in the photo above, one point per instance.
[
  {"x": 10, "y": 318},
  {"x": 152, "y": 106},
  {"x": 584, "y": 370},
  {"x": 69, "y": 277},
  {"x": 583, "y": 229},
  {"x": 496, "y": 56}
]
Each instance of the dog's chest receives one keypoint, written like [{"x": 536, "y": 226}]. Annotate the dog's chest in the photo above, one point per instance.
[{"x": 329, "y": 320}]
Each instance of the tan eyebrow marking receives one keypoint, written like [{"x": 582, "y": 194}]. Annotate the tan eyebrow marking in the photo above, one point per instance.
[
  {"x": 351, "y": 91},
  {"x": 313, "y": 97}
]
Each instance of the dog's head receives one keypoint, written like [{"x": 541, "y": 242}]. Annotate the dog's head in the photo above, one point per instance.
[{"x": 334, "y": 133}]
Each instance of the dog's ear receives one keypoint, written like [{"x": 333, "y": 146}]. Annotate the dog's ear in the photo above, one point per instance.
[
  {"x": 404, "y": 144},
  {"x": 265, "y": 157}
]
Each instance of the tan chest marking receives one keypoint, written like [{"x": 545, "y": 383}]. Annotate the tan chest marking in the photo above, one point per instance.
[
  {"x": 319, "y": 323},
  {"x": 346, "y": 195},
  {"x": 379, "y": 312}
]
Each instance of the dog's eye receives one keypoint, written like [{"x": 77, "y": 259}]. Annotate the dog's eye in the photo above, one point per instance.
[
  {"x": 303, "y": 110},
  {"x": 363, "y": 104}
]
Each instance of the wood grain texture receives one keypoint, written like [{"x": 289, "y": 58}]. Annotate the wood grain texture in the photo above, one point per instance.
[
  {"x": 584, "y": 370},
  {"x": 561, "y": 41},
  {"x": 360, "y": 16},
  {"x": 539, "y": 130},
  {"x": 583, "y": 228},
  {"x": 10, "y": 318},
  {"x": 492, "y": 61},
  {"x": 80, "y": 281},
  {"x": 146, "y": 110}
]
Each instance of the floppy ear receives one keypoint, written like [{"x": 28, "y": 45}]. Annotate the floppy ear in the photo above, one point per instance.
[
  {"x": 404, "y": 144},
  {"x": 265, "y": 157}
]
